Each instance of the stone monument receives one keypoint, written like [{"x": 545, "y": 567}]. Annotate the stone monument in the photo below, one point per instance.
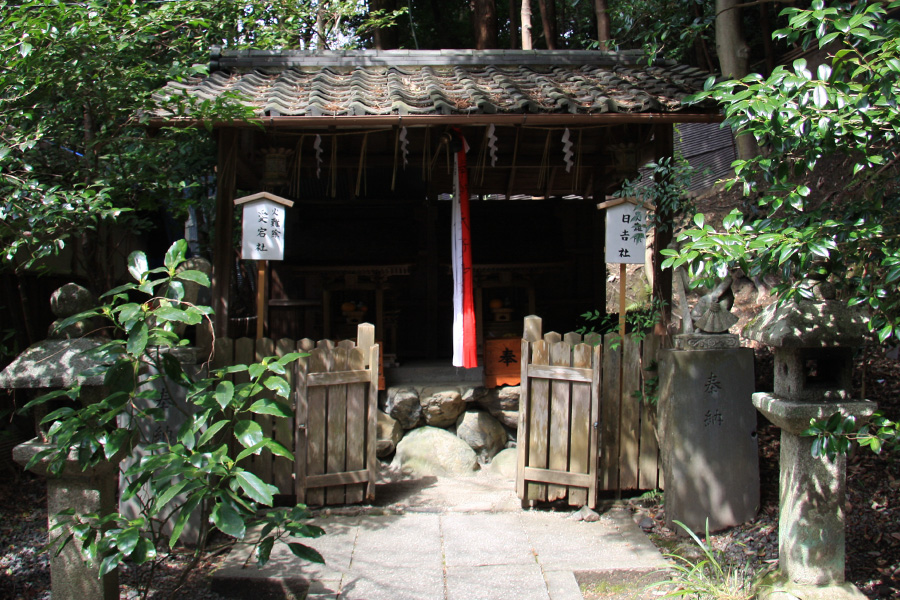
[
  {"x": 173, "y": 409},
  {"x": 707, "y": 424},
  {"x": 813, "y": 343}
]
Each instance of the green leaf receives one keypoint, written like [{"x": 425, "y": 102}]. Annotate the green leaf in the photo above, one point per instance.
[
  {"x": 127, "y": 540},
  {"x": 137, "y": 265},
  {"x": 187, "y": 509},
  {"x": 264, "y": 550},
  {"x": 120, "y": 377},
  {"x": 248, "y": 433},
  {"x": 277, "y": 449},
  {"x": 110, "y": 562},
  {"x": 266, "y": 406},
  {"x": 224, "y": 393},
  {"x": 278, "y": 385},
  {"x": 144, "y": 551},
  {"x": 175, "y": 255},
  {"x": 211, "y": 432},
  {"x": 137, "y": 339},
  {"x": 170, "y": 492},
  {"x": 170, "y": 313},
  {"x": 198, "y": 277},
  {"x": 820, "y": 96},
  {"x": 251, "y": 450},
  {"x": 228, "y": 520},
  {"x": 306, "y": 553},
  {"x": 255, "y": 488}
]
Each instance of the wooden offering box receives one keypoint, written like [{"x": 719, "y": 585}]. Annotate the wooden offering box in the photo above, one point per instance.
[{"x": 502, "y": 362}]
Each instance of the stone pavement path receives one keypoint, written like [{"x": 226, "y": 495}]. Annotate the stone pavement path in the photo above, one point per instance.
[{"x": 445, "y": 540}]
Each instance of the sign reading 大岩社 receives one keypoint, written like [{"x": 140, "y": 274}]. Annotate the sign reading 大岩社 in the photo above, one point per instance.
[{"x": 263, "y": 226}]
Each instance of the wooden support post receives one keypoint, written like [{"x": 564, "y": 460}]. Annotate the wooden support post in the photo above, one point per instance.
[
  {"x": 663, "y": 136},
  {"x": 223, "y": 242},
  {"x": 261, "y": 298},
  {"x": 622, "y": 300}
]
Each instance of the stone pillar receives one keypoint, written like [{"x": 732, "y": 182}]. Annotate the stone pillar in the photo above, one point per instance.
[
  {"x": 90, "y": 491},
  {"x": 811, "y": 539},
  {"x": 172, "y": 401}
]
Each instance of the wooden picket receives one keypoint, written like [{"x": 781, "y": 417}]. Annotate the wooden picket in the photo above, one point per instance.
[
  {"x": 584, "y": 423},
  {"x": 334, "y": 390},
  {"x": 556, "y": 452}
]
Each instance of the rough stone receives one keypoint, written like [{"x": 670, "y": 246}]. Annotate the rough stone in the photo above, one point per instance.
[
  {"x": 482, "y": 432},
  {"x": 707, "y": 431},
  {"x": 53, "y": 364},
  {"x": 71, "y": 299},
  {"x": 503, "y": 404},
  {"x": 389, "y": 435},
  {"x": 475, "y": 394},
  {"x": 403, "y": 405},
  {"x": 441, "y": 407},
  {"x": 430, "y": 451},
  {"x": 585, "y": 514},
  {"x": 504, "y": 464},
  {"x": 809, "y": 324}
]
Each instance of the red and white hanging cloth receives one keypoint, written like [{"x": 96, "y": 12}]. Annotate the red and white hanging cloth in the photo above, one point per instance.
[{"x": 465, "y": 353}]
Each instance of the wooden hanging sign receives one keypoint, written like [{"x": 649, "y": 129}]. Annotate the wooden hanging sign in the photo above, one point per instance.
[
  {"x": 263, "y": 226},
  {"x": 262, "y": 240},
  {"x": 626, "y": 229}
]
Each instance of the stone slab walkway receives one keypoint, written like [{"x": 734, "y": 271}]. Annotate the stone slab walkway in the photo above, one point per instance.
[{"x": 480, "y": 547}]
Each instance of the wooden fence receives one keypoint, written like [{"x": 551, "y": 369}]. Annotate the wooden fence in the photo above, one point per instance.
[
  {"x": 584, "y": 425},
  {"x": 334, "y": 392}
]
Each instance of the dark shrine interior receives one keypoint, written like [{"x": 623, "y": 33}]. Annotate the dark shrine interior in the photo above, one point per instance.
[{"x": 370, "y": 240}]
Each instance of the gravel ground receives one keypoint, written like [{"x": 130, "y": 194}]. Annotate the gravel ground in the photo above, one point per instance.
[{"x": 26, "y": 570}]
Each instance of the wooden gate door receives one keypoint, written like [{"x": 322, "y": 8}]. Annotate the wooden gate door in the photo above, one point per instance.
[
  {"x": 559, "y": 413},
  {"x": 336, "y": 403}
]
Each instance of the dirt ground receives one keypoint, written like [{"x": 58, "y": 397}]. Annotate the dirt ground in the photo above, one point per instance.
[{"x": 621, "y": 585}]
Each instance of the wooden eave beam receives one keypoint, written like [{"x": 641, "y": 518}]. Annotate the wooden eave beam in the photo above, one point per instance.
[{"x": 567, "y": 120}]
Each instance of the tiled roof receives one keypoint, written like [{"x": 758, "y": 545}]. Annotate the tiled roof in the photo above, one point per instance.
[{"x": 460, "y": 82}]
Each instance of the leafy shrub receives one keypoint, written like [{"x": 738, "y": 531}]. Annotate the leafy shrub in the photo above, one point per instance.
[{"x": 196, "y": 470}]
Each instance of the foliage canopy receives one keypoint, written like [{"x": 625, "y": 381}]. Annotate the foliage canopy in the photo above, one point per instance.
[
  {"x": 76, "y": 89},
  {"x": 847, "y": 107}
]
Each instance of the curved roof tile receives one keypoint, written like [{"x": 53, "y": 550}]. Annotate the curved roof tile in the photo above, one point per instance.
[{"x": 444, "y": 82}]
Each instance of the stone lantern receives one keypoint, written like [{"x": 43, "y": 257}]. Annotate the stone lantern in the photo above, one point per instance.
[
  {"x": 60, "y": 364},
  {"x": 813, "y": 344}
]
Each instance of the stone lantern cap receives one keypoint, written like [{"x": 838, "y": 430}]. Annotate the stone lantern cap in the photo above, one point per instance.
[
  {"x": 53, "y": 364},
  {"x": 809, "y": 324}
]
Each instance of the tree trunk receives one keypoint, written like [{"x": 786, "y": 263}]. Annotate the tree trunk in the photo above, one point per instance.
[
  {"x": 704, "y": 59},
  {"x": 765, "y": 25},
  {"x": 485, "y": 15},
  {"x": 513, "y": 25},
  {"x": 734, "y": 54},
  {"x": 731, "y": 47},
  {"x": 526, "y": 25},
  {"x": 320, "y": 27},
  {"x": 603, "y": 27},
  {"x": 548, "y": 16},
  {"x": 385, "y": 38}
]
